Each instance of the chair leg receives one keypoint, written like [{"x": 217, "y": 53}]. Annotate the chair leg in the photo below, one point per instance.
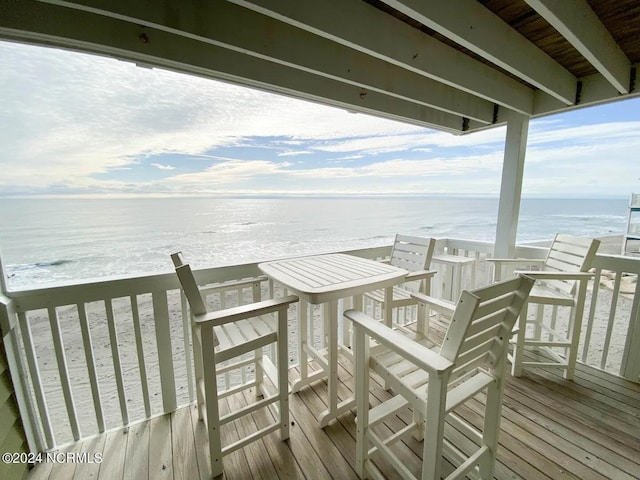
[
  {"x": 303, "y": 340},
  {"x": 259, "y": 373},
  {"x": 211, "y": 397},
  {"x": 575, "y": 326},
  {"x": 572, "y": 353},
  {"x": 491, "y": 427},
  {"x": 362, "y": 401},
  {"x": 537, "y": 326},
  {"x": 418, "y": 419},
  {"x": 283, "y": 380},
  {"x": 434, "y": 429},
  {"x": 422, "y": 320}
]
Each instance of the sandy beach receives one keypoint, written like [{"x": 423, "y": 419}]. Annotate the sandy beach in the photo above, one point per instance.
[{"x": 126, "y": 340}]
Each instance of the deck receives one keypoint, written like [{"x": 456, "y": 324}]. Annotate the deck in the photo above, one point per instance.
[{"x": 551, "y": 429}]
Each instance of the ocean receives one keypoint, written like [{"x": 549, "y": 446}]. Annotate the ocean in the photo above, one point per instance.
[{"x": 60, "y": 240}]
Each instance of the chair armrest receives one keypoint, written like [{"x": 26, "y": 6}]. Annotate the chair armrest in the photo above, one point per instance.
[
  {"x": 542, "y": 275},
  {"x": 417, "y": 354},
  {"x": 228, "y": 315},
  {"x": 436, "y": 303},
  {"x": 419, "y": 275},
  {"x": 212, "y": 288}
]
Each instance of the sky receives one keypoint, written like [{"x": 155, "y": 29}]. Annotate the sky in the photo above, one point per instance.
[{"x": 77, "y": 124}]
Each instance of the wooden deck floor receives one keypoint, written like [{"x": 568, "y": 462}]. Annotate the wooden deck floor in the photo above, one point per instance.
[{"x": 551, "y": 429}]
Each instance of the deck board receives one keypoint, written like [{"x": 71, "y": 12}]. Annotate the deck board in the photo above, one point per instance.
[
  {"x": 136, "y": 461},
  {"x": 160, "y": 459},
  {"x": 185, "y": 462},
  {"x": 551, "y": 429},
  {"x": 93, "y": 446}
]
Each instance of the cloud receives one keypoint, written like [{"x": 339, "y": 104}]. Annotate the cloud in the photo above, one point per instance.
[
  {"x": 79, "y": 123},
  {"x": 227, "y": 173},
  {"x": 295, "y": 153},
  {"x": 592, "y": 134},
  {"x": 75, "y": 115},
  {"x": 163, "y": 167}
]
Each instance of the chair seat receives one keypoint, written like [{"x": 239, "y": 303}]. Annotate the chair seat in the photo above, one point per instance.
[
  {"x": 391, "y": 365},
  {"x": 261, "y": 329},
  {"x": 550, "y": 296}
]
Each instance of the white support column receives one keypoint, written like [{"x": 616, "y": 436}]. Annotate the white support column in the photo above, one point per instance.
[{"x": 511, "y": 187}]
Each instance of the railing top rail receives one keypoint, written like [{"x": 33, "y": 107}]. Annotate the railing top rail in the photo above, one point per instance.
[
  {"x": 617, "y": 263},
  {"x": 98, "y": 289}
]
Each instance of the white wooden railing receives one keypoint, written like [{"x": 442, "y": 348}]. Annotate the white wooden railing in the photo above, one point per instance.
[{"x": 94, "y": 356}]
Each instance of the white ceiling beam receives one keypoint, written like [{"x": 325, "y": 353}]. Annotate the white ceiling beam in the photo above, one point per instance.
[
  {"x": 221, "y": 23},
  {"x": 594, "y": 90},
  {"x": 470, "y": 24},
  {"x": 358, "y": 25},
  {"x": 577, "y": 22},
  {"x": 38, "y": 23}
]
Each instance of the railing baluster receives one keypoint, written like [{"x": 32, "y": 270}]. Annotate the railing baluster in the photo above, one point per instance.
[
  {"x": 36, "y": 381},
  {"x": 140, "y": 351},
  {"x": 165, "y": 355},
  {"x": 115, "y": 354},
  {"x": 58, "y": 346},
  {"x": 91, "y": 365}
]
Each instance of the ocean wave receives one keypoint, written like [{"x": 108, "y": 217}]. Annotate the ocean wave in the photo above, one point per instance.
[
  {"x": 242, "y": 226},
  {"x": 46, "y": 263},
  {"x": 375, "y": 237}
]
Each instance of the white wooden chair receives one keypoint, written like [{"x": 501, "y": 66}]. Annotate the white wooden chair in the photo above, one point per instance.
[
  {"x": 561, "y": 281},
  {"x": 234, "y": 338},
  {"x": 414, "y": 255},
  {"x": 470, "y": 360}
]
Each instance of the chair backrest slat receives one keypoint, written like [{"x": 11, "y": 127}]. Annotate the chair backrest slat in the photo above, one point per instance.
[
  {"x": 412, "y": 253},
  {"x": 486, "y": 322},
  {"x": 490, "y": 307},
  {"x": 485, "y": 335}
]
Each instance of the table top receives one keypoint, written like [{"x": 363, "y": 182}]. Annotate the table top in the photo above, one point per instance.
[{"x": 322, "y": 278}]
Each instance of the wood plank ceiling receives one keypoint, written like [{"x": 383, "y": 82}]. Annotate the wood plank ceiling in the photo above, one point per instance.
[{"x": 459, "y": 66}]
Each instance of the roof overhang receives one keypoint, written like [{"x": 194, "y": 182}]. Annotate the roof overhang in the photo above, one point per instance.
[{"x": 456, "y": 66}]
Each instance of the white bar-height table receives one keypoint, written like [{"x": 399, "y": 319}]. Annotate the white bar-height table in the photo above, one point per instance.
[{"x": 325, "y": 279}]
